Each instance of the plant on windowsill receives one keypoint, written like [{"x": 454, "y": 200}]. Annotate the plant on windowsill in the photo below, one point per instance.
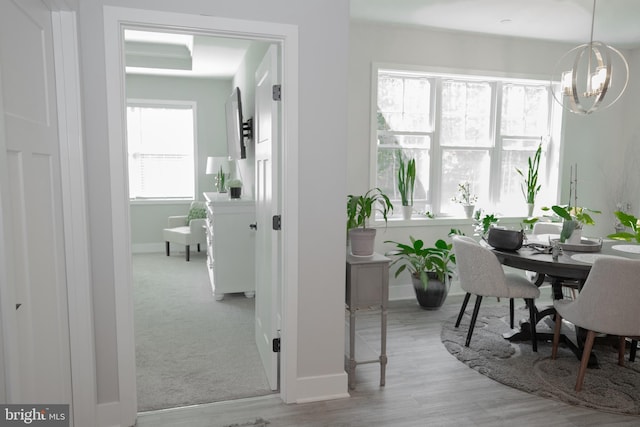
[
  {"x": 431, "y": 269},
  {"x": 482, "y": 224},
  {"x": 406, "y": 184},
  {"x": 465, "y": 198},
  {"x": 629, "y": 221},
  {"x": 359, "y": 211},
  {"x": 530, "y": 186}
]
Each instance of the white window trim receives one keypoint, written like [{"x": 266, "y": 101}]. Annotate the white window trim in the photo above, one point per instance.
[
  {"x": 163, "y": 103},
  {"x": 554, "y": 143}
]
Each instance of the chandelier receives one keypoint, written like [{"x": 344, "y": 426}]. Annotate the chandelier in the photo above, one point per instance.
[{"x": 588, "y": 73}]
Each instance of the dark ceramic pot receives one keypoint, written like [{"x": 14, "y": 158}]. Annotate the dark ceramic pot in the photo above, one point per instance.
[{"x": 433, "y": 297}]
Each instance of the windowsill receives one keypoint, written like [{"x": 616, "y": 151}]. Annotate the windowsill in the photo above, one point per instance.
[{"x": 436, "y": 222}]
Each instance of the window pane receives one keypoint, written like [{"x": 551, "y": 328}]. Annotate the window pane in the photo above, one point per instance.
[
  {"x": 525, "y": 110},
  {"x": 403, "y": 103},
  {"x": 459, "y": 166},
  {"x": 466, "y": 114},
  {"x": 160, "y": 142}
]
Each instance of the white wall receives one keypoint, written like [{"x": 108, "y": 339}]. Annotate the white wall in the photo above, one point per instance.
[
  {"x": 599, "y": 143},
  {"x": 322, "y": 101}
]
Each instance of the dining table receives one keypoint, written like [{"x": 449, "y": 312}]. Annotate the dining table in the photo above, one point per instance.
[{"x": 568, "y": 268}]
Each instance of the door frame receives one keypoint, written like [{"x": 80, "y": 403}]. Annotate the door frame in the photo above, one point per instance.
[{"x": 115, "y": 20}]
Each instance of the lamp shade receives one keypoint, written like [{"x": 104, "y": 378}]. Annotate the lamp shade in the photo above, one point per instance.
[{"x": 215, "y": 163}]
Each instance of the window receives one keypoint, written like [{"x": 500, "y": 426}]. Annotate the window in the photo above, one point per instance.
[
  {"x": 461, "y": 128},
  {"x": 161, "y": 147}
]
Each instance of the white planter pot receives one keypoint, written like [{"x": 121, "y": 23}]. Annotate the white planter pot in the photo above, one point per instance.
[
  {"x": 407, "y": 211},
  {"x": 362, "y": 241},
  {"x": 468, "y": 210},
  {"x": 530, "y": 207}
]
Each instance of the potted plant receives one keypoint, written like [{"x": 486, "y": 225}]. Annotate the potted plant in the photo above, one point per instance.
[
  {"x": 530, "y": 187},
  {"x": 235, "y": 188},
  {"x": 359, "y": 210},
  {"x": 481, "y": 225},
  {"x": 431, "y": 269},
  {"x": 465, "y": 198},
  {"x": 574, "y": 218},
  {"x": 629, "y": 221},
  {"x": 221, "y": 181},
  {"x": 406, "y": 184}
]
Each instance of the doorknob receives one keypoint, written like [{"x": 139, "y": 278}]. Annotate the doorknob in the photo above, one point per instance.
[{"x": 253, "y": 226}]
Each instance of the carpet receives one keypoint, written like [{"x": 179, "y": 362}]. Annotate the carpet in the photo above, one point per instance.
[
  {"x": 611, "y": 388},
  {"x": 191, "y": 349}
]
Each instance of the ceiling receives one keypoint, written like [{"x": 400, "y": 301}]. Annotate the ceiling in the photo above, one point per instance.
[{"x": 616, "y": 23}]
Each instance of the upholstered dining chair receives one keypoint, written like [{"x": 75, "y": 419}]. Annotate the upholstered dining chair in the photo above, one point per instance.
[
  {"x": 481, "y": 274},
  {"x": 607, "y": 304},
  {"x": 187, "y": 229}
]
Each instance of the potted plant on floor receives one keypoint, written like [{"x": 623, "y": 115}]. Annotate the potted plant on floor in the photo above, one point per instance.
[
  {"x": 359, "y": 211},
  {"x": 406, "y": 184},
  {"x": 530, "y": 186},
  {"x": 431, "y": 269}
]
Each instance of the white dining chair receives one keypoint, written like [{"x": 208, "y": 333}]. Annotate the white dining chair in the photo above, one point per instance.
[
  {"x": 481, "y": 274},
  {"x": 607, "y": 304}
]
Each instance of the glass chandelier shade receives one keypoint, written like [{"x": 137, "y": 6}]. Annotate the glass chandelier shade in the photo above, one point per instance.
[{"x": 592, "y": 76}]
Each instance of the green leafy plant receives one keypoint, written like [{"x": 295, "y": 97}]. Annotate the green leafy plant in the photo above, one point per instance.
[
  {"x": 574, "y": 218},
  {"x": 361, "y": 208},
  {"x": 406, "y": 180},
  {"x": 482, "y": 225},
  {"x": 530, "y": 187},
  {"x": 419, "y": 260},
  {"x": 629, "y": 221},
  {"x": 234, "y": 183}
]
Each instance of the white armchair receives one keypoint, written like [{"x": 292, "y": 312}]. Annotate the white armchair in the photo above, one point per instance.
[{"x": 187, "y": 230}]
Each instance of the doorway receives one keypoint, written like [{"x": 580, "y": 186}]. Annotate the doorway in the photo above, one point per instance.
[
  {"x": 190, "y": 347},
  {"x": 286, "y": 35}
]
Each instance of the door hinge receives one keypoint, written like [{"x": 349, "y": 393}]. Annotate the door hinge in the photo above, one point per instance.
[
  {"x": 276, "y": 345},
  {"x": 277, "y": 92},
  {"x": 277, "y": 222}
]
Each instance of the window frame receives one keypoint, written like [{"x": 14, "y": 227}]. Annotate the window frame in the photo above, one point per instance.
[
  {"x": 552, "y": 141},
  {"x": 165, "y": 103}
]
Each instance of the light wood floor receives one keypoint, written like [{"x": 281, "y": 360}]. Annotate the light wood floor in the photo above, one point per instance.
[{"x": 425, "y": 386}]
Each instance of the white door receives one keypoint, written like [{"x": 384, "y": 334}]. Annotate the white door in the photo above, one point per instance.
[
  {"x": 267, "y": 309},
  {"x": 33, "y": 291}
]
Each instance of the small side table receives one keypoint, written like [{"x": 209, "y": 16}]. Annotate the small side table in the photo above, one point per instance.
[{"x": 367, "y": 288}]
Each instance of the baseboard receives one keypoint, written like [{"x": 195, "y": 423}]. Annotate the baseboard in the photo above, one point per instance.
[
  {"x": 318, "y": 388},
  {"x": 110, "y": 415}
]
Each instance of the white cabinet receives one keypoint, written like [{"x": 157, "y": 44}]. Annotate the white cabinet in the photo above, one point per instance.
[{"x": 230, "y": 245}]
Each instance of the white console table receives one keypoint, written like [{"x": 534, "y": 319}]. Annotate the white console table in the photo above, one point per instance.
[
  {"x": 230, "y": 245},
  {"x": 367, "y": 288}
]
